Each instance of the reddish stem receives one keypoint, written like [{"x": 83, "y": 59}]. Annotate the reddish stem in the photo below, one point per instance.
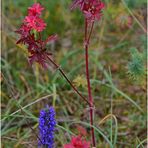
[
  {"x": 88, "y": 80},
  {"x": 64, "y": 75}
]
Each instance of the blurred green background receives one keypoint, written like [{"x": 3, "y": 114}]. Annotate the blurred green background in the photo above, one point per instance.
[{"x": 117, "y": 67}]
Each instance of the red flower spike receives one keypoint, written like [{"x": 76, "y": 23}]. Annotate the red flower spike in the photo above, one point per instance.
[
  {"x": 35, "y": 45},
  {"x": 77, "y": 142},
  {"x": 35, "y": 10}
]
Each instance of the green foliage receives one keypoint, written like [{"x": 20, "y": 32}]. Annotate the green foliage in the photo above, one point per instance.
[
  {"x": 135, "y": 3},
  {"x": 136, "y": 67},
  {"x": 144, "y": 41}
]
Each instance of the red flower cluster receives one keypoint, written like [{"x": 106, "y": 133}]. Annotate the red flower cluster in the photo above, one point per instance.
[
  {"x": 77, "y": 142},
  {"x": 35, "y": 10},
  {"x": 33, "y": 19},
  {"x": 30, "y": 35},
  {"x": 90, "y": 8}
]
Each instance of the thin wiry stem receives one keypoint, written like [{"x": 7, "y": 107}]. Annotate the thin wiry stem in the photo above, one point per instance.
[{"x": 66, "y": 78}]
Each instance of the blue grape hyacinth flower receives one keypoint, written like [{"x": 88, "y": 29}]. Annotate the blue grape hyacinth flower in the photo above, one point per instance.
[{"x": 47, "y": 123}]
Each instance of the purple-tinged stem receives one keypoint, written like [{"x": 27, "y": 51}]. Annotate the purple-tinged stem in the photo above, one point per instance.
[{"x": 88, "y": 80}]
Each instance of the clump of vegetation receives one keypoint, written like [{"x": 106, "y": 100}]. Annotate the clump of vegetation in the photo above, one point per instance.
[
  {"x": 137, "y": 65},
  {"x": 58, "y": 74}
]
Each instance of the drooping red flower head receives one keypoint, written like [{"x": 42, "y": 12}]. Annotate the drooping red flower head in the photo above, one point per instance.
[
  {"x": 35, "y": 10},
  {"x": 92, "y": 9},
  {"x": 77, "y": 142}
]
